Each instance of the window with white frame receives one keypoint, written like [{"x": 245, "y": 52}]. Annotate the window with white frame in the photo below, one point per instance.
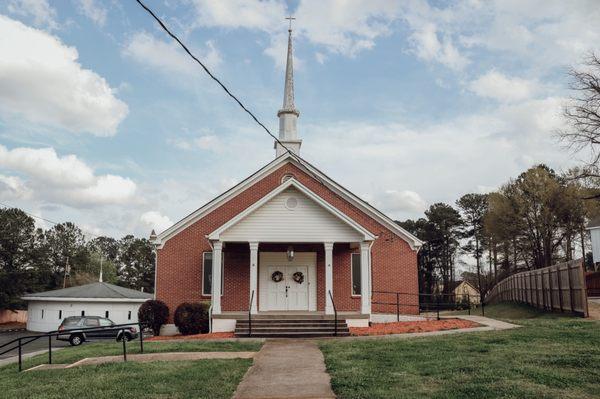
[
  {"x": 207, "y": 258},
  {"x": 355, "y": 265}
]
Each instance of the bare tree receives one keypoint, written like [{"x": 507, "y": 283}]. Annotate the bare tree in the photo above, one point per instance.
[{"x": 583, "y": 114}]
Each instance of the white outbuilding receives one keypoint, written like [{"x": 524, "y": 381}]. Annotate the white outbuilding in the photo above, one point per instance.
[{"x": 46, "y": 310}]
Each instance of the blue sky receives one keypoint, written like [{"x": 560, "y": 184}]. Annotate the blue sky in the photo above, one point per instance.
[{"x": 105, "y": 122}]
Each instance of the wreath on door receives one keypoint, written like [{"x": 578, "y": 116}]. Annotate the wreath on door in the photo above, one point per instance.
[
  {"x": 277, "y": 276},
  {"x": 298, "y": 277}
]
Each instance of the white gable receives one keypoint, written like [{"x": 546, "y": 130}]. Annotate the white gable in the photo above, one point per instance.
[{"x": 291, "y": 216}]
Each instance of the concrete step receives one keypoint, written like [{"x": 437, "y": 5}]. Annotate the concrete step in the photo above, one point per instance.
[
  {"x": 284, "y": 329},
  {"x": 292, "y": 334},
  {"x": 293, "y": 327}
]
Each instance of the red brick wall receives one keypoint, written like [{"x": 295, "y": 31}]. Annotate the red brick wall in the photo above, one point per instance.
[{"x": 179, "y": 273}]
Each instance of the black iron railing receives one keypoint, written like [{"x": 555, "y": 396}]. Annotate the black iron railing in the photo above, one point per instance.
[
  {"x": 425, "y": 303},
  {"x": 124, "y": 329},
  {"x": 335, "y": 316},
  {"x": 250, "y": 313}
]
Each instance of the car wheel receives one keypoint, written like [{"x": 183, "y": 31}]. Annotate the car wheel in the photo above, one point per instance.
[
  {"x": 127, "y": 337},
  {"x": 76, "y": 340}
]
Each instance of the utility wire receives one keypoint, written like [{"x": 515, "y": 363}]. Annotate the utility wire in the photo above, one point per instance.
[
  {"x": 213, "y": 77},
  {"x": 46, "y": 220}
]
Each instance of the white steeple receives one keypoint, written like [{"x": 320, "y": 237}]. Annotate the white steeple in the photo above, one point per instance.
[{"x": 288, "y": 114}]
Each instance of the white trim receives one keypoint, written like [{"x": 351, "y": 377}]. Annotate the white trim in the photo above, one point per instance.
[
  {"x": 164, "y": 236},
  {"x": 367, "y": 236},
  {"x": 67, "y": 299},
  {"x": 222, "y": 273},
  {"x": 352, "y": 275},
  {"x": 328, "y": 277}
]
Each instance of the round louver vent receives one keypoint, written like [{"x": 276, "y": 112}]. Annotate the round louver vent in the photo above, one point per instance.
[{"x": 291, "y": 203}]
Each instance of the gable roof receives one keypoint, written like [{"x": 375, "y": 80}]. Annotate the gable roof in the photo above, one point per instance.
[
  {"x": 364, "y": 206},
  {"x": 91, "y": 291},
  {"x": 366, "y": 235},
  {"x": 453, "y": 285}
]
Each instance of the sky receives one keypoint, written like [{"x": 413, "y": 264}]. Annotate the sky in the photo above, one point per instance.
[{"x": 105, "y": 122}]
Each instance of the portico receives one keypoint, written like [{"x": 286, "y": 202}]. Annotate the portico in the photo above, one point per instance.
[{"x": 290, "y": 235}]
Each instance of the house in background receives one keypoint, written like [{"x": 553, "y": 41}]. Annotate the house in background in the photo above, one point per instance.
[
  {"x": 288, "y": 240},
  {"x": 46, "y": 310},
  {"x": 464, "y": 291}
]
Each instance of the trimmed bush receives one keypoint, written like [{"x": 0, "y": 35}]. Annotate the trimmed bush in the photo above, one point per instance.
[
  {"x": 154, "y": 314},
  {"x": 192, "y": 318}
]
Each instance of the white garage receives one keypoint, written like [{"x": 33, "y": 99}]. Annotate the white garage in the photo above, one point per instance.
[{"x": 46, "y": 310}]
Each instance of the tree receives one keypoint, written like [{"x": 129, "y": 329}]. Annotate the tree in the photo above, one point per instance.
[
  {"x": 68, "y": 252},
  {"x": 17, "y": 238},
  {"x": 474, "y": 208},
  {"x": 136, "y": 263},
  {"x": 583, "y": 114}
]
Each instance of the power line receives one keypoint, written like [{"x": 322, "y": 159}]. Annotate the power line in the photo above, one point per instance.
[
  {"x": 213, "y": 77},
  {"x": 46, "y": 220}
]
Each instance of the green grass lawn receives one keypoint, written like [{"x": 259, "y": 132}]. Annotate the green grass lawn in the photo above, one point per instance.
[
  {"x": 551, "y": 356},
  {"x": 193, "y": 379}
]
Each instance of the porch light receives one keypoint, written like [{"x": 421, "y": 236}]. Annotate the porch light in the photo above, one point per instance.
[{"x": 290, "y": 253}]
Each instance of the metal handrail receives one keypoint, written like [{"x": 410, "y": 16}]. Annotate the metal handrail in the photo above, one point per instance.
[
  {"x": 335, "y": 327},
  {"x": 250, "y": 313},
  {"x": 50, "y": 334}
]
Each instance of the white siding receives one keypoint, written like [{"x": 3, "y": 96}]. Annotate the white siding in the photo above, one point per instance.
[
  {"x": 118, "y": 312},
  {"x": 307, "y": 222},
  {"x": 595, "y": 235}
]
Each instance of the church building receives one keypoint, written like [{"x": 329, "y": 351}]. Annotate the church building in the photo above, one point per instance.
[{"x": 289, "y": 242}]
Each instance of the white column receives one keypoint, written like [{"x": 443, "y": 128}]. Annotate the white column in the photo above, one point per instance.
[
  {"x": 216, "y": 276},
  {"x": 253, "y": 276},
  {"x": 328, "y": 277},
  {"x": 365, "y": 272}
]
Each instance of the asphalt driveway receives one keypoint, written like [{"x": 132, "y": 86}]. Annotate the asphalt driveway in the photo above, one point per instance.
[{"x": 37, "y": 345}]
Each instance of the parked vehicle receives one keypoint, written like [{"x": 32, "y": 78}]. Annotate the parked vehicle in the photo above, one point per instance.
[{"x": 74, "y": 328}]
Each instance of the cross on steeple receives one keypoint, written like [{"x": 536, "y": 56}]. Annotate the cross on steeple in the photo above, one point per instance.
[{"x": 290, "y": 18}]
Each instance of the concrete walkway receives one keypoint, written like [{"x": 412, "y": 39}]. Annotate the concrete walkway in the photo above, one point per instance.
[
  {"x": 286, "y": 369},
  {"x": 148, "y": 357}
]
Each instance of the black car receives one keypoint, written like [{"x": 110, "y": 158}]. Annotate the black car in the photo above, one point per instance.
[{"x": 74, "y": 328}]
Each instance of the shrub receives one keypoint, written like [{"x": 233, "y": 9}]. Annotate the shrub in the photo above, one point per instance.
[
  {"x": 153, "y": 313},
  {"x": 192, "y": 318}
]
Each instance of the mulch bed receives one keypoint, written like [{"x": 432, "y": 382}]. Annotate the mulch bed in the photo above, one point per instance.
[
  {"x": 404, "y": 327},
  {"x": 192, "y": 337}
]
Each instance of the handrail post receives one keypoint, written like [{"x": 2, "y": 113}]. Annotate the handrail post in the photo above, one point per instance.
[
  {"x": 124, "y": 345},
  {"x": 335, "y": 317},
  {"x": 49, "y": 349},
  {"x": 250, "y": 313},
  {"x": 20, "y": 361},
  {"x": 141, "y": 337},
  {"x": 469, "y": 303},
  {"x": 437, "y": 306},
  {"x": 397, "y": 306}
]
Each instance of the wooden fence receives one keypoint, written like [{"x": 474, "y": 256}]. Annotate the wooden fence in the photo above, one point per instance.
[
  {"x": 13, "y": 316},
  {"x": 557, "y": 287},
  {"x": 592, "y": 282}
]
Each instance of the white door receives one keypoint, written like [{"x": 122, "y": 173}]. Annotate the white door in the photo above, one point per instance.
[
  {"x": 277, "y": 295},
  {"x": 297, "y": 293},
  {"x": 287, "y": 294}
]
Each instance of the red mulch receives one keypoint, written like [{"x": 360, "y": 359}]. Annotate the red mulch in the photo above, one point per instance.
[
  {"x": 192, "y": 337},
  {"x": 404, "y": 327}
]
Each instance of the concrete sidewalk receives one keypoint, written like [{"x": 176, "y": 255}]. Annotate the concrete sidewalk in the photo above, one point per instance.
[{"x": 286, "y": 369}]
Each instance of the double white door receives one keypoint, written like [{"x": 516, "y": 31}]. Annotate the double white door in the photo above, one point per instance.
[{"x": 288, "y": 294}]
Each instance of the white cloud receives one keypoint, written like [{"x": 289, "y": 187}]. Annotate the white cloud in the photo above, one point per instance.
[
  {"x": 13, "y": 187},
  {"x": 168, "y": 57},
  {"x": 41, "y": 81},
  {"x": 156, "y": 221},
  {"x": 250, "y": 14},
  {"x": 429, "y": 47},
  {"x": 209, "y": 142},
  {"x": 63, "y": 180},
  {"x": 396, "y": 203},
  {"x": 40, "y": 10},
  {"x": 92, "y": 10},
  {"x": 500, "y": 87}
]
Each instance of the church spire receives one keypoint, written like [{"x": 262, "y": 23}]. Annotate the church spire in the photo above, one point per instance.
[{"x": 288, "y": 114}]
